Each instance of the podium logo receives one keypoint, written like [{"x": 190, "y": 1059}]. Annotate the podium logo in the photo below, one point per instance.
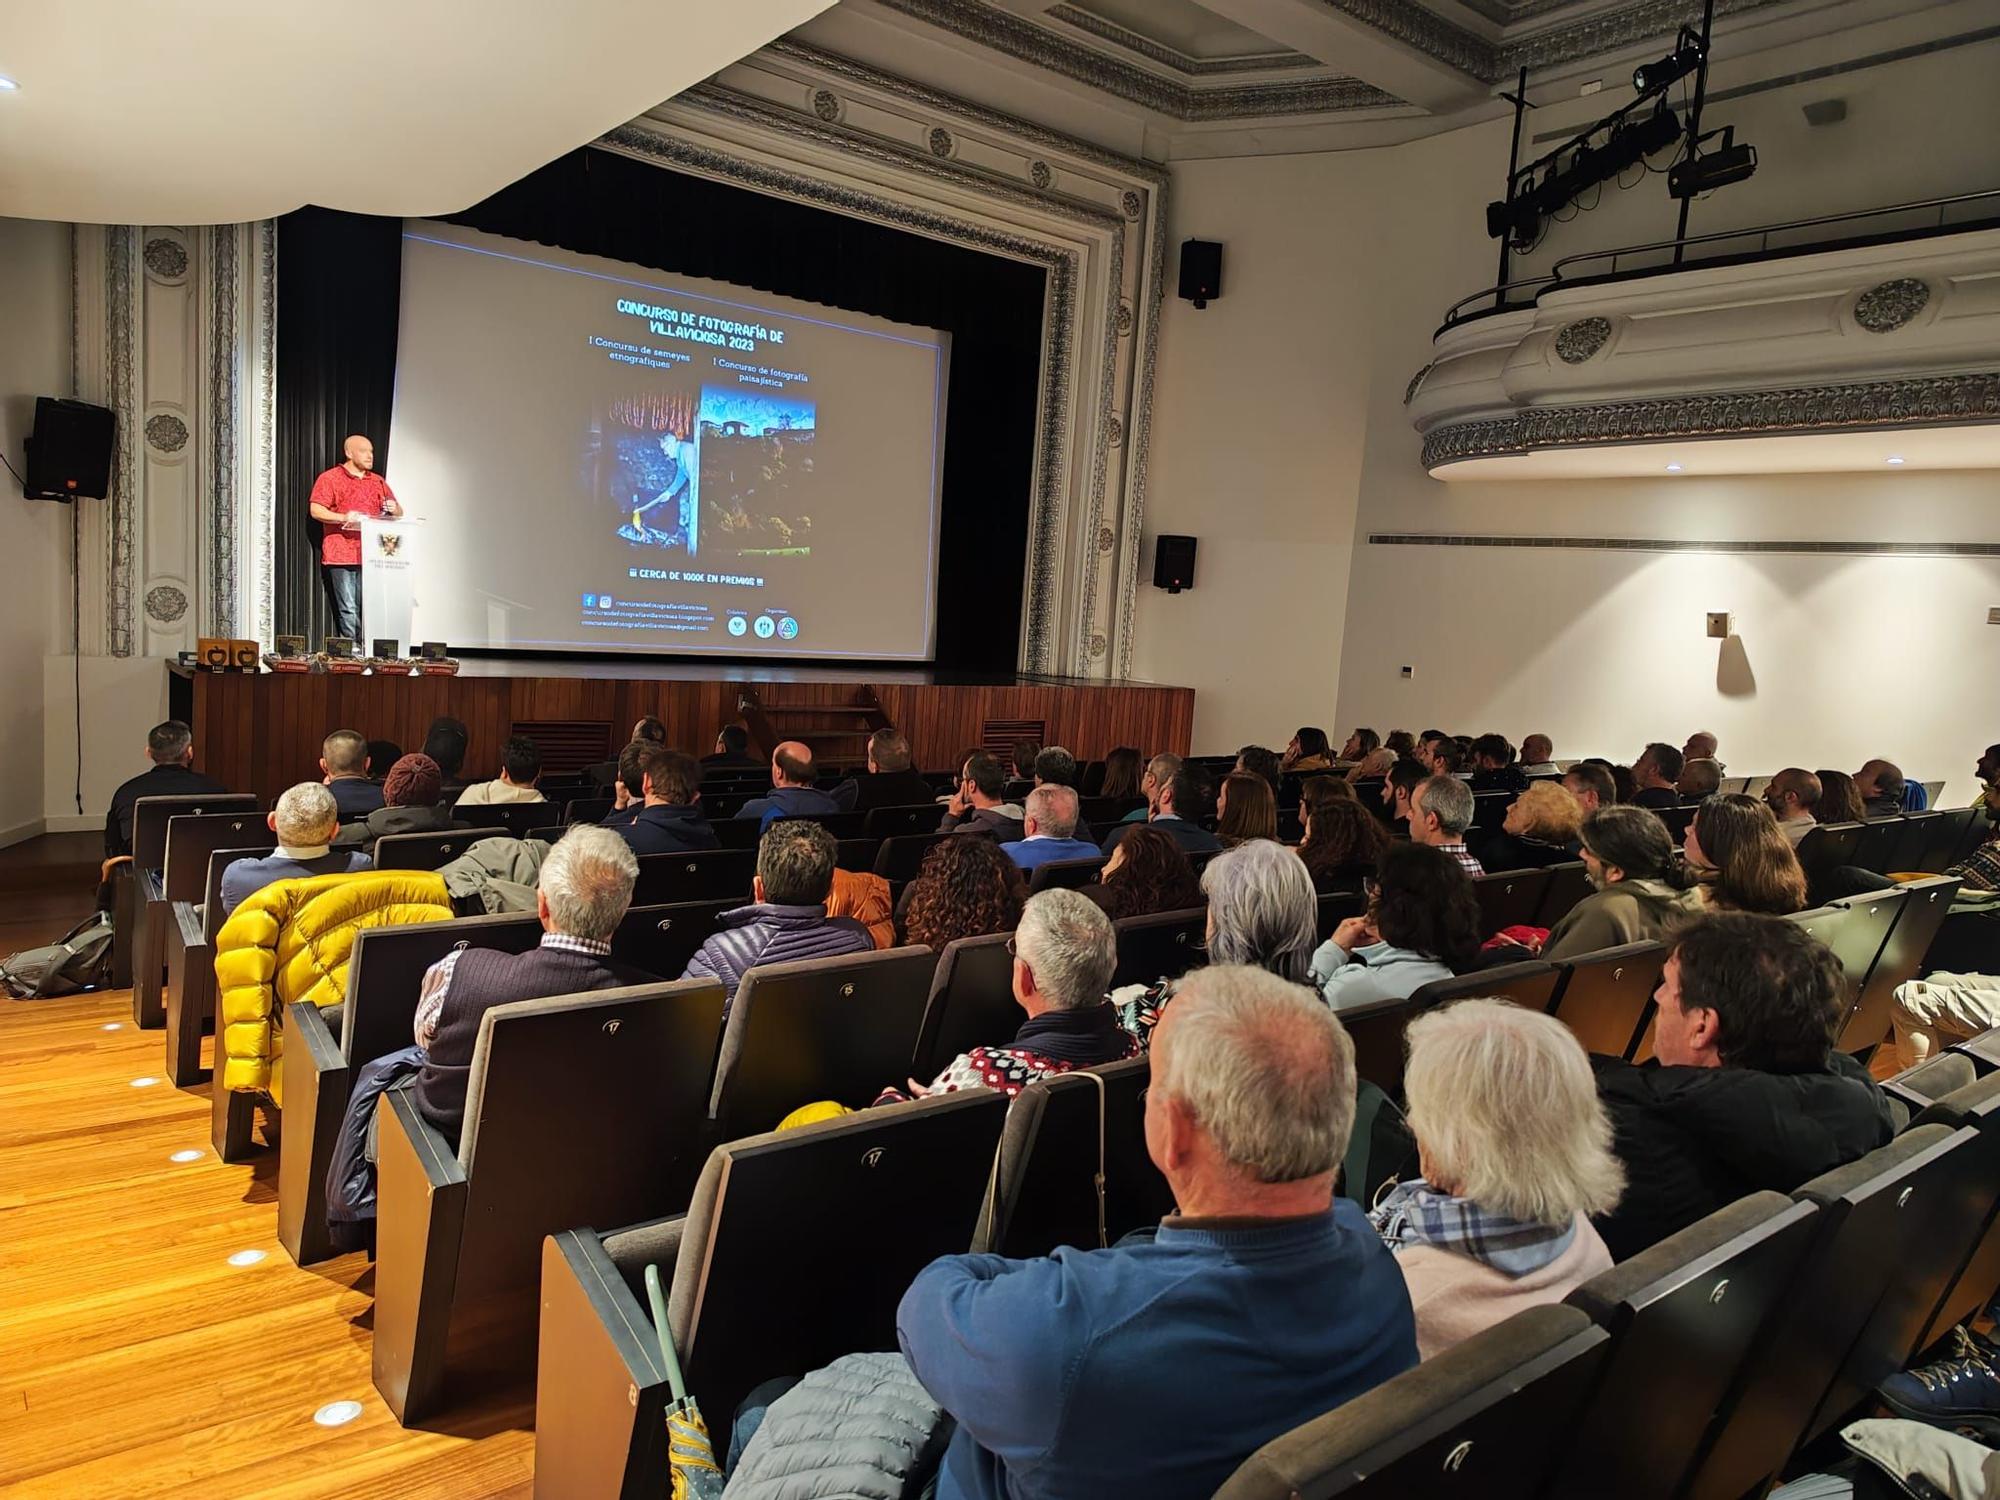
[{"x": 391, "y": 542}]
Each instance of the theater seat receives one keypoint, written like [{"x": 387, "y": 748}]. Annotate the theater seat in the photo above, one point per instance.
[
  {"x": 1162, "y": 946},
  {"x": 1065, "y": 874},
  {"x": 152, "y": 818},
  {"x": 1606, "y": 997},
  {"x": 192, "y": 886},
  {"x": 1976, "y": 1104},
  {"x": 699, "y": 875},
  {"x": 971, "y": 1003},
  {"x": 1377, "y": 1027},
  {"x": 1510, "y": 898},
  {"x": 1924, "y": 907},
  {"x": 425, "y": 851}
]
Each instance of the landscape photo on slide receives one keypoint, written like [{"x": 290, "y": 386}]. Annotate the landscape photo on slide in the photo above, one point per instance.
[{"x": 756, "y": 490}]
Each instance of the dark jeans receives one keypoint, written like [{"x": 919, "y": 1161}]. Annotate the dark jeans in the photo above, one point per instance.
[{"x": 343, "y": 601}]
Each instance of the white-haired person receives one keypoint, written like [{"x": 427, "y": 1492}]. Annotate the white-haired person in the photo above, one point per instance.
[
  {"x": 305, "y": 820},
  {"x": 1157, "y": 1366},
  {"x": 1262, "y": 911},
  {"x": 1514, "y": 1148}
]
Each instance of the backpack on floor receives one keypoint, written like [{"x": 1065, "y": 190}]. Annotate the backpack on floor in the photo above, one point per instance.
[{"x": 81, "y": 961}]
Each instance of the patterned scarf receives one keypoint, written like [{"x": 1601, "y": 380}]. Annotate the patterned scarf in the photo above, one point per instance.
[{"x": 1415, "y": 1213}]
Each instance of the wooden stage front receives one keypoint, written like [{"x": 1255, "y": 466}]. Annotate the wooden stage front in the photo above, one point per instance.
[{"x": 261, "y": 733}]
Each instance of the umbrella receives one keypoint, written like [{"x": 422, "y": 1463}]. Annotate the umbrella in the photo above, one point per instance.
[{"x": 690, "y": 1450}]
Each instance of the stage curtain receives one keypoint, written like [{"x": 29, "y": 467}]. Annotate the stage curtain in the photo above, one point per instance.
[
  {"x": 600, "y": 203},
  {"x": 339, "y": 287}
]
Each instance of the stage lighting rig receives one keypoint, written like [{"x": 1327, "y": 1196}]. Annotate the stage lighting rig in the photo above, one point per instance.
[
  {"x": 1699, "y": 174},
  {"x": 1655, "y": 77}
]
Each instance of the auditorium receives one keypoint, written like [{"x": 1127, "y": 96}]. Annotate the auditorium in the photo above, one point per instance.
[{"x": 1001, "y": 750}]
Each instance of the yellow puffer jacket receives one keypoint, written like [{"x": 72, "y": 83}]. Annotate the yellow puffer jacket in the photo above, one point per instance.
[{"x": 289, "y": 942}]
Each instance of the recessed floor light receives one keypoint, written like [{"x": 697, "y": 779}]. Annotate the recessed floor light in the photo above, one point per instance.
[
  {"x": 144, "y": 1083},
  {"x": 1673, "y": 468},
  {"x": 112, "y": 1026},
  {"x": 1893, "y": 460},
  {"x": 247, "y": 1257},
  {"x": 185, "y": 1156},
  {"x": 337, "y": 1413}
]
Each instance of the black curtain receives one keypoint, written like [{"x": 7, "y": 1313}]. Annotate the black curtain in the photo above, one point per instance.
[
  {"x": 599, "y": 203},
  {"x": 340, "y": 280}
]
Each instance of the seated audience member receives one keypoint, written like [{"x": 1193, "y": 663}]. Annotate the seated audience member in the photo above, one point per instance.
[
  {"x": 1048, "y": 829},
  {"x": 1255, "y": 760},
  {"x": 669, "y": 819},
  {"x": 1064, "y": 952},
  {"x": 1261, "y": 912},
  {"x": 1399, "y": 786},
  {"x": 1440, "y": 812},
  {"x": 1022, "y": 763},
  {"x": 1245, "y": 809},
  {"x": 1701, "y": 745},
  {"x": 1839, "y": 800},
  {"x": 1515, "y": 1150},
  {"x": 581, "y": 896},
  {"x": 1493, "y": 768},
  {"x": 1655, "y": 777},
  {"x": 1344, "y": 841},
  {"x": 965, "y": 888},
  {"x": 629, "y": 793},
  {"x": 410, "y": 794},
  {"x": 1168, "y": 798},
  {"x": 1699, "y": 780},
  {"x": 1422, "y": 924},
  {"x": 864, "y": 896},
  {"x": 1623, "y": 783},
  {"x": 381, "y": 755},
  {"x": 1590, "y": 783},
  {"x": 1361, "y": 744},
  {"x": 1748, "y": 1091},
  {"x": 1064, "y": 1372},
  {"x": 1146, "y": 873},
  {"x": 1055, "y": 766},
  {"x": 343, "y": 761},
  {"x": 1635, "y": 897},
  {"x": 170, "y": 747},
  {"x": 1740, "y": 860},
  {"x": 1879, "y": 784},
  {"x": 1399, "y": 742},
  {"x": 1122, "y": 768},
  {"x": 1161, "y": 769},
  {"x": 892, "y": 779},
  {"x": 1793, "y": 797},
  {"x": 1372, "y": 766},
  {"x": 1308, "y": 751},
  {"x": 732, "y": 748},
  {"x": 445, "y": 743},
  {"x": 978, "y": 806},
  {"x": 1537, "y": 752},
  {"x": 305, "y": 821},
  {"x": 520, "y": 769},
  {"x": 787, "y": 919},
  {"x": 792, "y": 794},
  {"x": 1540, "y": 829},
  {"x": 648, "y": 730}
]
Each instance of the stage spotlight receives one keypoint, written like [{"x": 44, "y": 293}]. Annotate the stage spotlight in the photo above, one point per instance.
[
  {"x": 1650, "y": 77},
  {"x": 1717, "y": 169},
  {"x": 1657, "y": 131}
]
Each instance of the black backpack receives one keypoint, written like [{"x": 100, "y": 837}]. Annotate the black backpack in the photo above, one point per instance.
[{"x": 80, "y": 961}]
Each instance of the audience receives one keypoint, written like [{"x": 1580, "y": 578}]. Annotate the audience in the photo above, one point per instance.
[
  {"x": 648, "y": 730},
  {"x": 1399, "y": 786},
  {"x": 1361, "y": 744},
  {"x": 1308, "y": 751},
  {"x": 1515, "y": 1151},
  {"x": 1048, "y": 829},
  {"x": 305, "y": 821},
  {"x": 1493, "y": 768},
  {"x": 787, "y": 919},
  {"x": 977, "y": 806},
  {"x": 792, "y": 793},
  {"x": 1793, "y": 796},
  {"x": 1748, "y": 1091},
  {"x": 445, "y": 743},
  {"x": 410, "y": 794},
  {"x": 1879, "y": 784},
  {"x": 1343, "y": 841},
  {"x": 1367, "y": 756},
  {"x": 1121, "y": 773},
  {"x": 1539, "y": 830},
  {"x": 1026, "y": 753},
  {"x": 1064, "y": 952},
  {"x": 1160, "y": 770},
  {"x": 1255, "y": 760},
  {"x": 1422, "y": 924},
  {"x": 1699, "y": 780},
  {"x": 1537, "y": 752},
  {"x": 170, "y": 747},
  {"x": 1655, "y": 777},
  {"x": 732, "y": 748},
  {"x": 1623, "y": 783},
  {"x": 1148, "y": 872},
  {"x": 1839, "y": 799},
  {"x": 1068, "y": 1375},
  {"x": 1740, "y": 860},
  {"x": 1701, "y": 745},
  {"x": 381, "y": 753},
  {"x": 1164, "y": 813},
  {"x": 1245, "y": 808},
  {"x": 1440, "y": 811},
  {"x": 1635, "y": 898},
  {"x": 1399, "y": 742},
  {"x": 892, "y": 779},
  {"x": 965, "y": 888},
  {"x": 344, "y": 762},
  {"x": 1055, "y": 766},
  {"x": 669, "y": 819},
  {"x": 1590, "y": 783},
  {"x": 629, "y": 792},
  {"x": 520, "y": 769}
]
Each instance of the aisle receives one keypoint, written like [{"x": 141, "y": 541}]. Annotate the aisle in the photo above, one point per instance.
[{"x": 135, "y": 1359}]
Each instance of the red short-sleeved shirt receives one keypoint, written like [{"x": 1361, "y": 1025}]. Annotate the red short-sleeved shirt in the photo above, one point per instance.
[{"x": 339, "y": 490}]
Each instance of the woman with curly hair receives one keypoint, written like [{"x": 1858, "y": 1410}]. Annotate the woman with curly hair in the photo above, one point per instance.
[
  {"x": 1148, "y": 872},
  {"x": 1422, "y": 923},
  {"x": 1343, "y": 839},
  {"x": 1245, "y": 809},
  {"x": 966, "y": 888}
]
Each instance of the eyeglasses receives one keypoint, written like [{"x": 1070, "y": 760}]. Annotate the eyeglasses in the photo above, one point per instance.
[{"x": 1012, "y": 951}]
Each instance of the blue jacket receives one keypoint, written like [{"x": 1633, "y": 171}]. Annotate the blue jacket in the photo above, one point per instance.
[
  {"x": 788, "y": 802},
  {"x": 1374, "y": 971},
  {"x": 248, "y": 875},
  {"x": 768, "y": 934},
  {"x": 1032, "y": 854},
  {"x": 1151, "y": 1370},
  {"x": 670, "y": 828},
  {"x": 355, "y": 796}
]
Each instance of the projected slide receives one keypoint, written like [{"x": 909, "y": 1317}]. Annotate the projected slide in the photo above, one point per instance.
[{"x": 604, "y": 458}]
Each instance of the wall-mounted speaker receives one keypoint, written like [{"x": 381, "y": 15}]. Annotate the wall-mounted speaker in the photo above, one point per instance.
[
  {"x": 1201, "y": 271},
  {"x": 69, "y": 452},
  {"x": 1173, "y": 564}
]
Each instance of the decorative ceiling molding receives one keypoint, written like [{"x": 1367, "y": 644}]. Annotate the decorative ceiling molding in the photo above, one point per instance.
[{"x": 1185, "y": 64}]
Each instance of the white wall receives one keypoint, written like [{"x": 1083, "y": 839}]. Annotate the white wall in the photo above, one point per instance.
[{"x": 34, "y": 535}]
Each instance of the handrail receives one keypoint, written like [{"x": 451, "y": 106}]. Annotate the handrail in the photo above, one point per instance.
[{"x": 1556, "y": 274}]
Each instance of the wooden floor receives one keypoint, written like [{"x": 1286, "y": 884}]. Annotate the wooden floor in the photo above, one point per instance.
[{"x": 135, "y": 1359}]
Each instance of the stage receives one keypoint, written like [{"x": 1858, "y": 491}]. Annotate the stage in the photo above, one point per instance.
[{"x": 261, "y": 732}]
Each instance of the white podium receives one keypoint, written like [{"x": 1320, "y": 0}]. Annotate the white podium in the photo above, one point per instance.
[{"x": 389, "y": 552}]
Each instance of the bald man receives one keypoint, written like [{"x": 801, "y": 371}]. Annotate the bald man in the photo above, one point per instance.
[
  {"x": 793, "y": 794},
  {"x": 342, "y": 497}
]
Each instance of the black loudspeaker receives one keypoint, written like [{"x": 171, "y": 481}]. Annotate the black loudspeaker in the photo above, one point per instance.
[
  {"x": 1173, "y": 564},
  {"x": 69, "y": 453},
  {"x": 1201, "y": 271}
]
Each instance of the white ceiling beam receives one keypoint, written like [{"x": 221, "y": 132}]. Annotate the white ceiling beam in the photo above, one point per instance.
[{"x": 1356, "y": 49}]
